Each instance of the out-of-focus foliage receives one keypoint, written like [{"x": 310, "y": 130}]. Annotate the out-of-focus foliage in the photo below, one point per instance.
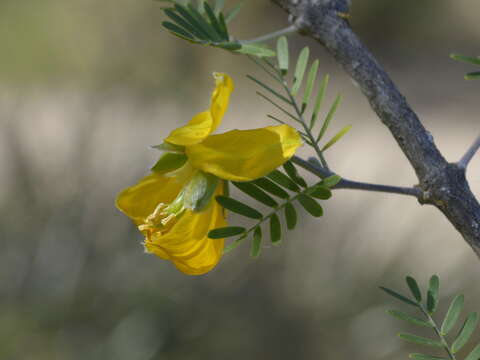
[{"x": 427, "y": 307}]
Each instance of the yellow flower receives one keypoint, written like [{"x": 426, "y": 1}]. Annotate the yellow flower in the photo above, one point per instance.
[
  {"x": 172, "y": 231},
  {"x": 174, "y": 208},
  {"x": 238, "y": 155}
]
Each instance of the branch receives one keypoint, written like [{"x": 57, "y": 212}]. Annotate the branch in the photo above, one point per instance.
[
  {"x": 464, "y": 161},
  {"x": 355, "y": 185},
  {"x": 442, "y": 184}
]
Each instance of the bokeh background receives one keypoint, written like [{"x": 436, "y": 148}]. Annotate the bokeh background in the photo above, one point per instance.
[{"x": 86, "y": 86}]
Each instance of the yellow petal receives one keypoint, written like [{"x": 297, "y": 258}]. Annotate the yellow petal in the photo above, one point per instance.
[
  {"x": 187, "y": 244},
  {"x": 206, "y": 122},
  {"x": 244, "y": 155},
  {"x": 140, "y": 200}
]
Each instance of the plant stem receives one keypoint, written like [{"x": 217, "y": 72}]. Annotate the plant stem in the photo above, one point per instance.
[
  {"x": 273, "y": 35},
  {"x": 355, "y": 185},
  {"x": 438, "y": 332},
  {"x": 307, "y": 129},
  {"x": 463, "y": 163}
]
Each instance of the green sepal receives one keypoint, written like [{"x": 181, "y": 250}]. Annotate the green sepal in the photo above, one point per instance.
[
  {"x": 169, "y": 162},
  {"x": 199, "y": 191},
  {"x": 165, "y": 146}
]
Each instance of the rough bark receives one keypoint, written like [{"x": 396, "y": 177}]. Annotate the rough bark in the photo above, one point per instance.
[{"x": 442, "y": 184}]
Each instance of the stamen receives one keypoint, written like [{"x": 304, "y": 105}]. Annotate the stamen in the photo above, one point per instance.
[{"x": 169, "y": 218}]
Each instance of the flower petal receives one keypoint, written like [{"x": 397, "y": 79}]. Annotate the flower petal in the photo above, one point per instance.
[
  {"x": 140, "y": 200},
  {"x": 206, "y": 122},
  {"x": 187, "y": 243},
  {"x": 244, "y": 155}
]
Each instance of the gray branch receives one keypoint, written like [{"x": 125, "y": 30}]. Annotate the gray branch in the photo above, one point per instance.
[{"x": 442, "y": 184}]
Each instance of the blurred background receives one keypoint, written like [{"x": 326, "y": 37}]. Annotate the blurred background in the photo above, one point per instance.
[{"x": 86, "y": 86}]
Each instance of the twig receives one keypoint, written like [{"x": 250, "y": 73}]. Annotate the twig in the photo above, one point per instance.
[
  {"x": 273, "y": 35},
  {"x": 356, "y": 185},
  {"x": 464, "y": 161}
]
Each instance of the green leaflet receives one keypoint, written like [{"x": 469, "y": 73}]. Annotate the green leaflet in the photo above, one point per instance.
[
  {"x": 311, "y": 205},
  {"x": 416, "y": 356},
  {"x": 320, "y": 192},
  {"x": 300, "y": 70},
  {"x": 337, "y": 137},
  {"x": 466, "y": 332},
  {"x": 272, "y": 188},
  {"x": 292, "y": 172},
  {"x": 412, "y": 284},
  {"x": 432, "y": 294},
  {"x": 282, "y": 54},
  {"x": 399, "y": 296},
  {"x": 275, "y": 229},
  {"x": 256, "y": 246},
  {"x": 475, "y": 354},
  {"x": 225, "y": 232},
  {"x": 318, "y": 101},
  {"x": 238, "y": 207},
  {"x": 290, "y": 216},
  {"x": 412, "y": 320},
  {"x": 312, "y": 76},
  {"x": 453, "y": 313},
  {"x": 252, "y": 190},
  {"x": 259, "y": 50},
  {"x": 283, "y": 180},
  {"x": 420, "y": 340}
]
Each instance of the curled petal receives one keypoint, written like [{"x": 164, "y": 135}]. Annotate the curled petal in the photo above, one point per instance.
[
  {"x": 244, "y": 155},
  {"x": 140, "y": 200},
  {"x": 206, "y": 122},
  {"x": 187, "y": 243}
]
